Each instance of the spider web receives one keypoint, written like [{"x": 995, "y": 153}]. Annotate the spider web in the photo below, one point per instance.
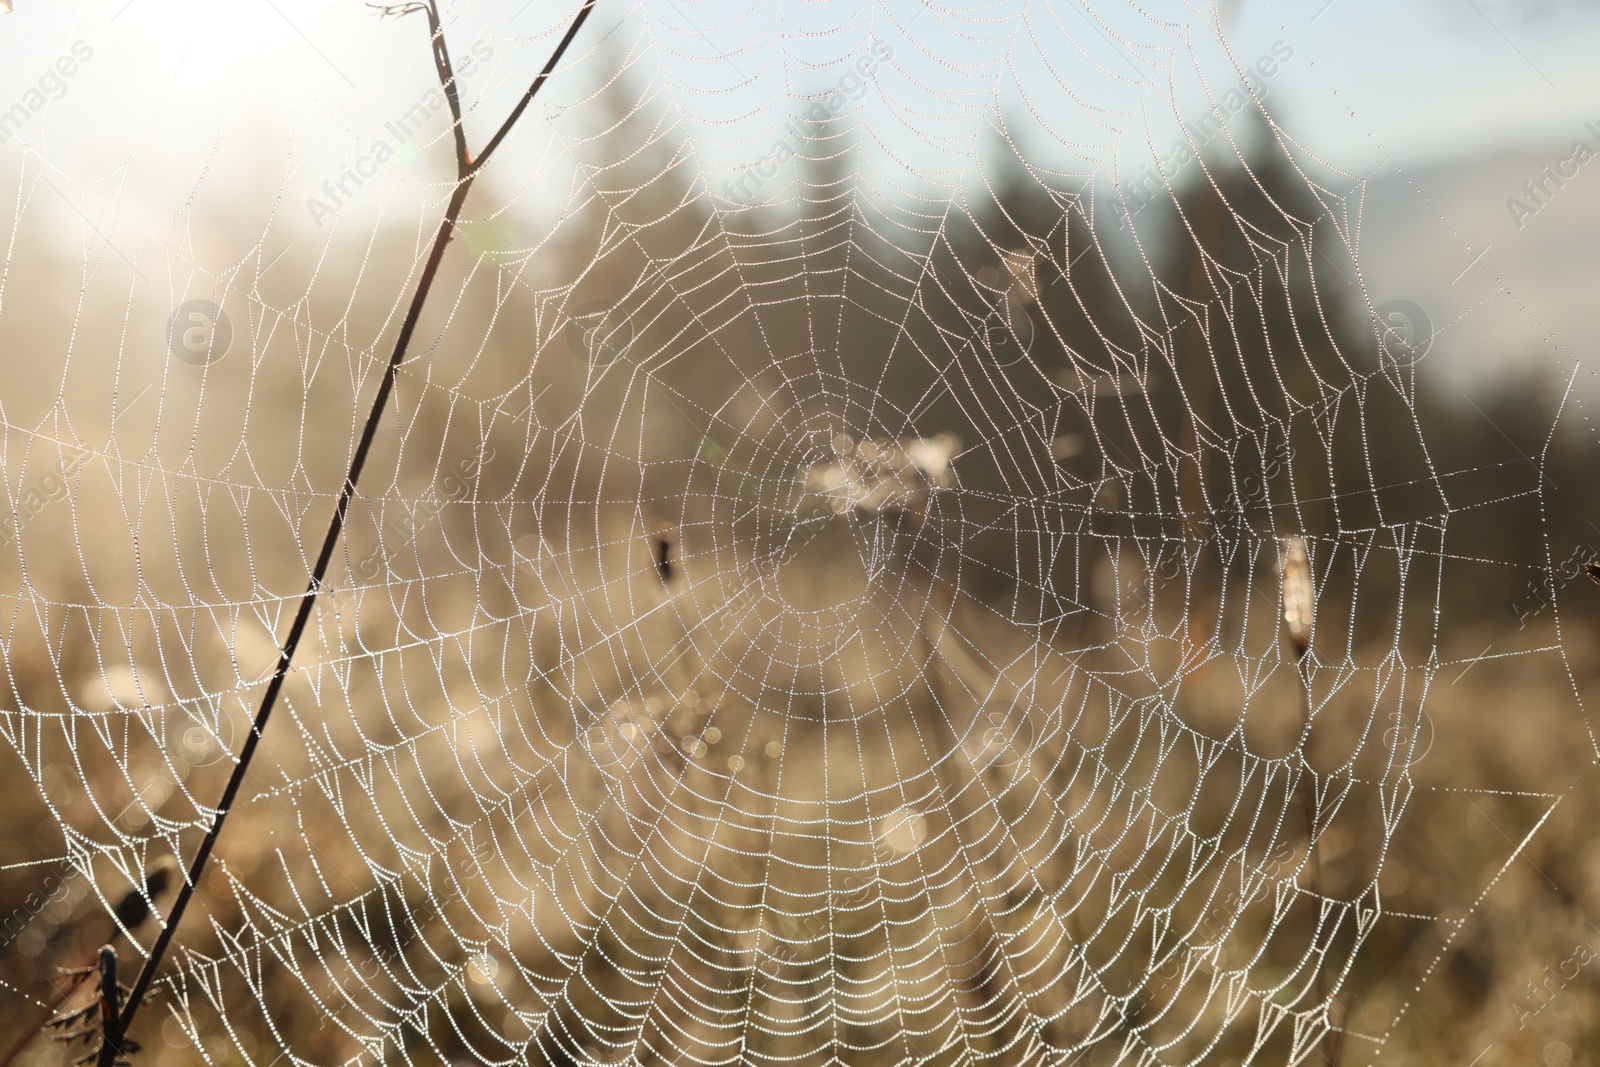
[{"x": 832, "y": 587}]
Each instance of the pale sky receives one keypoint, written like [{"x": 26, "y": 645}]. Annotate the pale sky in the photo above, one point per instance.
[
  {"x": 186, "y": 109},
  {"x": 1372, "y": 82}
]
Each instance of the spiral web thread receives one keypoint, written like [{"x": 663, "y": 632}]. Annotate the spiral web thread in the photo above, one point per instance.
[{"x": 821, "y": 594}]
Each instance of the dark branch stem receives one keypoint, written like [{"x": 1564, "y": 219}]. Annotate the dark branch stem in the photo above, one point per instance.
[
  {"x": 467, "y": 170},
  {"x": 308, "y": 601},
  {"x": 527, "y": 97},
  {"x": 447, "y": 79},
  {"x": 111, "y": 1029}
]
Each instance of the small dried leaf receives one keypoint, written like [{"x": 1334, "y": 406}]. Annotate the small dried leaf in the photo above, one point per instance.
[{"x": 1298, "y": 594}]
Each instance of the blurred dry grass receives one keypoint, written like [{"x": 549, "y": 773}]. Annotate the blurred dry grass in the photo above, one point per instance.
[{"x": 435, "y": 814}]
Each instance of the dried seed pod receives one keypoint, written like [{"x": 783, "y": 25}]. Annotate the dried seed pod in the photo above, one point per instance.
[
  {"x": 1298, "y": 594},
  {"x": 661, "y": 538},
  {"x": 663, "y": 559},
  {"x": 134, "y": 907}
]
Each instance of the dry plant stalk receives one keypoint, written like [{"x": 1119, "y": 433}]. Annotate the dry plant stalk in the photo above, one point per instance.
[{"x": 1299, "y": 600}]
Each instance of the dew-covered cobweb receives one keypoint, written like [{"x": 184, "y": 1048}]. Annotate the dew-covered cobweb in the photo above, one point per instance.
[{"x": 830, "y": 583}]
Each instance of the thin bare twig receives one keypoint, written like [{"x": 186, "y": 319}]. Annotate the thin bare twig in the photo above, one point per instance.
[
  {"x": 441, "y": 65},
  {"x": 527, "y": 97}
]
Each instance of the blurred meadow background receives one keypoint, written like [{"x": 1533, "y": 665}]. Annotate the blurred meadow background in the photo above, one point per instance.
[{"x": 818, "y": 591}]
